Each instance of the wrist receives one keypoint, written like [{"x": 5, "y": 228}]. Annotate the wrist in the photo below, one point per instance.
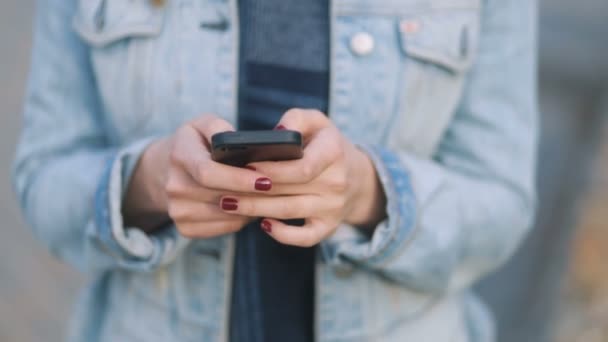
[
  {"x": 145, "y": 202},
  {"x": 369, "y": 201},
  {"x": 154, "y": 168}
]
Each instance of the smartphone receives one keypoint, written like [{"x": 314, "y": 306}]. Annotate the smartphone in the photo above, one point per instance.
[{"x": 244, "y": 147}]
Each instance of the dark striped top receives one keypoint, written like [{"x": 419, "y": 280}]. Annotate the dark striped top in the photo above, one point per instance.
[{"x": 284, "y": 59}]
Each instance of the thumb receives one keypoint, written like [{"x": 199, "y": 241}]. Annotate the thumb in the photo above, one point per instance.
[
  {"x": 306, "y": 121},
  {"x": 208, "y": 125}
]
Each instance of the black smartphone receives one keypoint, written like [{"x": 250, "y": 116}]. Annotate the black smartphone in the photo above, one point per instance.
[{"x": 244, "y": 147}]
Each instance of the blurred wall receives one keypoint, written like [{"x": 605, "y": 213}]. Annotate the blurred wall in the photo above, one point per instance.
[
  {"x": 527, "y": 294},
  {"x": 36, "y": 292}
]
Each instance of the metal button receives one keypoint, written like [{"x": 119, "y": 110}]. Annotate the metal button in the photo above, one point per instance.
[
  {"x": 220, "y": 25},
  {"x": 409, "y": 26},
  {"x": 343, "y": 271},
  {"x": 362, "y": 43}
]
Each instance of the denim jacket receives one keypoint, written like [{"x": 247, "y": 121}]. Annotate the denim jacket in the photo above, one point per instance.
[{"x": 440, "y": 93}]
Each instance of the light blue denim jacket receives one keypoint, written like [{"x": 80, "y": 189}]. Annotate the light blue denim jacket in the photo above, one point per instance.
[{"x": 440, "y": 93}]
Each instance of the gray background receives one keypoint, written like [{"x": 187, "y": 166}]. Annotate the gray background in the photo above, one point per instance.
[{"x": 36, "y": 291}]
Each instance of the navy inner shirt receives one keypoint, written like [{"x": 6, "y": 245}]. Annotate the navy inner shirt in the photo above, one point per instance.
[{"x": 284, "y": 63}]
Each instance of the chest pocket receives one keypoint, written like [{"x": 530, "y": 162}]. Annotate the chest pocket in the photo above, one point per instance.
[
  {"x": 405, "y": 62},
  {"x": 122, "y": 39}
]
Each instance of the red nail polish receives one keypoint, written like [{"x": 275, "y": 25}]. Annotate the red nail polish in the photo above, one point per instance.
[
  {"x": 251, "y": 167},
  {"x": 229, "y": 204},
  {"x": 266, "y": 226},
  {"x": 280, "y": 128},
  {"x": 263, "y": 184}
]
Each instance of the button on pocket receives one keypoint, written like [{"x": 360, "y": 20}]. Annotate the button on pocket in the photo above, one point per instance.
[
  {"x": 362, "y": 43},
  {"x": 344, "y": 271},
  {"x": 102, "y": 22},
  {"x": 122, "y": 36},
  {"x": 445, "y": 38},
  {"x": 438, "y": 48}
]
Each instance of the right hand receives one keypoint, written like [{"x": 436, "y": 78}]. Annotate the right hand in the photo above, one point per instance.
[{"x": 185, "y": 183}]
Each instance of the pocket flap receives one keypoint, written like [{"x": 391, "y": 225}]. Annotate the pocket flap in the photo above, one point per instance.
[
  {"x": 445, "y": 38},
  {"x": 102, "y": 22}
]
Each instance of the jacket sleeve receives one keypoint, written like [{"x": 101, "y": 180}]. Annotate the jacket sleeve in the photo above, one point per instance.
[
  {"x": 69, "y": 179},
  {"x": 458, "y": 216}
]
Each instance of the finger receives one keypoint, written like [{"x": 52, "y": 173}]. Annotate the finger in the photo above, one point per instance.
[
  {"x": 333, "y": 179},
  {"x": 189, "y": 148},
  {"x": 305, "y": 121},
  {"x": 313, "y": 232},
  {"x": 181, "y": 185},
  {"x": 281, "y": 207},
  {"x": 189, "y": 211},
  {"x": 321, "y": 153},
  {"x": 209, "y": 125},
  {"x": 213, "y": 175},
  {"x": 293, "y": 189},
  {"x": 188, "y": 152},
  {"x": 198, "y": 230}
]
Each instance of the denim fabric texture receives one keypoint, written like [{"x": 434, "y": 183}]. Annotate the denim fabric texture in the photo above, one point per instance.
[{"x": 440, "y": 93}]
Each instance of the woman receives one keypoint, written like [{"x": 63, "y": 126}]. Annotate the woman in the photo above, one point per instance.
[{"x": 418, "y": 181}]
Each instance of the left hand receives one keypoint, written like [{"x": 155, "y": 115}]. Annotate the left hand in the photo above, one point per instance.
[{"x": 334, "y": 182}]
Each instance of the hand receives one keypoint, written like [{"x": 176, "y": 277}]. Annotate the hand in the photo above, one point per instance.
[
  {"x": 176, "y": 178},
  {"x": 334, "y": 182}
]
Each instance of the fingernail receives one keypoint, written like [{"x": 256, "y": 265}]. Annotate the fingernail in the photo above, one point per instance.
[
  {"x": 251, "y": 167},
  {"x": 263, "y": 184},
  {"x": 280, "y": 128},
  {"x": 229, "y": 204},
  {"x": 266, "y": 226}
]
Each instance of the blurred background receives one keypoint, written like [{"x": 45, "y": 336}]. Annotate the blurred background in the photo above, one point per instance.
[{"x": 554, "y": 289}]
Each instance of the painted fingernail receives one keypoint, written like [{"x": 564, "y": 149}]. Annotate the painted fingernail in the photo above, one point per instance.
[
  {"x": 263, "y": 184},
  {"x": 266, "y": 226},
  {"x": 280, "y": 128},
  {"x": 251, "y": 167},
  {"x": 229, "y": 203}
]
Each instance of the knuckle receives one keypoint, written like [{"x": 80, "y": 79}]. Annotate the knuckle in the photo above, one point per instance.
[
  {"x": 308, "y": 241},
  {"x": 202, "y": 120},
  {"x": 340, "y": 151},
  {"x": 174, "y": 211},
  {"x": 205, "y": 117},
  {"x": 318, "y": 114},
  {"x": 179, "y": 213},
  {"x": 287, "y": 239},
  {"x": 293, "y": 113},
  {"x": 174, "y": 157},
  {"x": 307, "y": 172},
  {"x": 173, "y": 188},
  {"x": 340, "y": 205},
  {"x": 339, "y": 183},
  {"x": 335, "y": 148},
  {"x": 182, "y": 131},
  {"x": 188, "y": 231},
  {"x": 216, "y": 125},
  {"x": 243, "y": 183},
  {"x": 204, "y": 173},
  {"x": 288, "y": 210},
  {"x": 246, "y": 207},
  {"x": 234, "y": 227}
]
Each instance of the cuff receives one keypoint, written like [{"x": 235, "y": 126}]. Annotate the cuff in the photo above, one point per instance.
[
  {"x": 129, "y": 246},
  {"x": 391, "y": 234}
]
